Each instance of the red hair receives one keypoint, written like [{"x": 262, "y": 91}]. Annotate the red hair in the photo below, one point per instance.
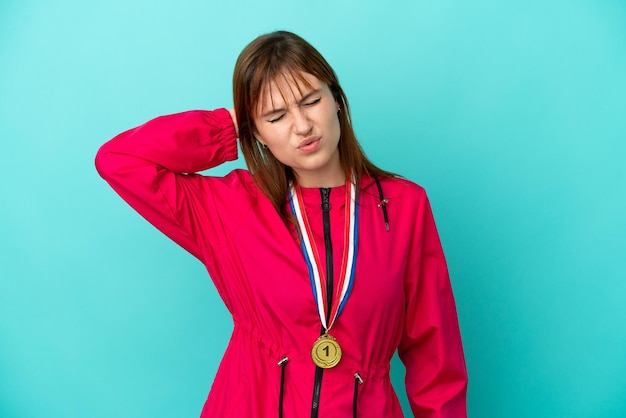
[{"x": 261, "y": 62}]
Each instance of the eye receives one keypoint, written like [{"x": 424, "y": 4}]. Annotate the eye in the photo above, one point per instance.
[
  {"x": 276, "y": 119},
  {"x": 313, "y": 102}
]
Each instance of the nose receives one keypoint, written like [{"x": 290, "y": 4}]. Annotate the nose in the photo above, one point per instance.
[{"x": 301, "y": 122}]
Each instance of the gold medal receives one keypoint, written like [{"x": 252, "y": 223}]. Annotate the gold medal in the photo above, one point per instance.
[{"x": 326, "y": 352}]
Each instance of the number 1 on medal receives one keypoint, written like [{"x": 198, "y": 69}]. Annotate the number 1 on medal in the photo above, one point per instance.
[{"x": 326, "y": 352}]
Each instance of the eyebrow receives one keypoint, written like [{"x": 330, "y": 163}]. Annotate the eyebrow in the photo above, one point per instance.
[{"x": 303, "y": 99}]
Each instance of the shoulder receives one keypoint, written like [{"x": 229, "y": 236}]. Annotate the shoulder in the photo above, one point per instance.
[
  {"x": 394, "y": 187},
  {"x": 403, "y": 185},
  {"x": 237, "y": 178},
  {"x": 237, "y": 185},
  {"x": 240, "y": 177}
]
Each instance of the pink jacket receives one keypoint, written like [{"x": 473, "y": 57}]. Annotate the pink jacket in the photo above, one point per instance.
[{"x": 401, "y": 299}]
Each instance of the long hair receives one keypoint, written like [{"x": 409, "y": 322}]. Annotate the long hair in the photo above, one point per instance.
[{"x": 261, "y": 62}]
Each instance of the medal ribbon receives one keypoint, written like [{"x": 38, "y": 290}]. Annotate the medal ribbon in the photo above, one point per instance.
[{"x": 312, "y": 258}]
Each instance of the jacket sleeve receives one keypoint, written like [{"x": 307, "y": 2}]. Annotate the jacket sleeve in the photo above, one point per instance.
[
  {"x": 152, "y": 168},
  {"x": 431, "y": 349}
]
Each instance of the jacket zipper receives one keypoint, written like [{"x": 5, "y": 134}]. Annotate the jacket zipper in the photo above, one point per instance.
[{"x": 319, "y": 372}]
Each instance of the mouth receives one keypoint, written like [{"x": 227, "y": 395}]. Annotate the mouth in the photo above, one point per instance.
[{"x": 309, "y": 144}]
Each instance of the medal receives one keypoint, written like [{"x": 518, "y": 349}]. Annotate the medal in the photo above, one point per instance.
[{"x": 326, "y": 352}]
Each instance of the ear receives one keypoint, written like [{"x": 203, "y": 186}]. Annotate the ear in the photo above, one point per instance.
[{"x": 258, "y": 139}]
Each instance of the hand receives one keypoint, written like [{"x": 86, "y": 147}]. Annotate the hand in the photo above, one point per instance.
[{"x": 234, "y": 118}]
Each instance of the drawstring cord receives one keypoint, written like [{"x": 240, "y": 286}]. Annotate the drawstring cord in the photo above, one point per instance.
[
  {"x": 383, "y": 202},
  {"x": 282, "y": 363},
  {"x": 357, "y": 381}
]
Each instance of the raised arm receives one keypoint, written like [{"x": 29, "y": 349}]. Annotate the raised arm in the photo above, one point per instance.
[{"x": 152, "y": 168}]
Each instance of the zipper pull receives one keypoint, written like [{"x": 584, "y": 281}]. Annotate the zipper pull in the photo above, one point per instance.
[{"x": 326, "y": 199}]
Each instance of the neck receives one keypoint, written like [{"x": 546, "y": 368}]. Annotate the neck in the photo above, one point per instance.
[
  {"x": 330, "y": 175},
  {"x": 319, "y": 180}
]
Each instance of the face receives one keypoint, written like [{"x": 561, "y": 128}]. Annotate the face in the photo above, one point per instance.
[{"x": 301, "y": 129}]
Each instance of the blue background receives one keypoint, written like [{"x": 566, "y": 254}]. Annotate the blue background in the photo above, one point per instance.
[{"x": 511, "y": 114}]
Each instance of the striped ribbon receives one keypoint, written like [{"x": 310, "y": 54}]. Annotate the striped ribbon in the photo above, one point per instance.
[{"x": 312, "y": 258}]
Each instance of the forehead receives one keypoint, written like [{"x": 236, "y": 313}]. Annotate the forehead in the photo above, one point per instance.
[{"x": 286, "y": 89}]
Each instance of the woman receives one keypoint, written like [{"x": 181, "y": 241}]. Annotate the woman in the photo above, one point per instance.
[{"x": 327, "y": 263}]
